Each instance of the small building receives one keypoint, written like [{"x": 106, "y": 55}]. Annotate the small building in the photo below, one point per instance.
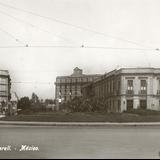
[
  {"x": 127, "y": 89},
  {"x": 5, "y": 94},
  {"x": 69, "y": 87}
]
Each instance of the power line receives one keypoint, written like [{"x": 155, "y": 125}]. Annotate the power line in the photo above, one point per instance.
[
  {"x": 32, "y": 46},
  {"x": 11, "y": 36},
  {"x": 34, "y": 26},
  {"x": 32, "y": 71},
  {"x": 72, "y": 25},
  {"x": 78, "y": 47},
  {"x": 116, "y": 48},
  {"x": 41, "y": 83}
]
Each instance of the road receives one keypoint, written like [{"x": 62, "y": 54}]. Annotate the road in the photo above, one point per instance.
[{"x": 80, "y": 142}]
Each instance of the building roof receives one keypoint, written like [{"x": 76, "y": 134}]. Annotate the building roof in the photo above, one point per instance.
[
  {"x": 4, "y": 72},
  {"x": 78, "y": 73},
  {"x": 135, "y": 70},
  {"x": 83, "y": 75}
]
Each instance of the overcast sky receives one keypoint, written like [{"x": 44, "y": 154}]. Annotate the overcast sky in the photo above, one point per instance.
[{"x": 132, "y": 20}]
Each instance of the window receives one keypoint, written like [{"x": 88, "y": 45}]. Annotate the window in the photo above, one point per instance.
[
  {"x": 143, "y": 85},
  {"x": 58, "y": 81},
  {"x": 143, "y": 89},
  {"x": 68, "y": 80},
  {"x": 158, "y": 86},
  {"x": 108, "y": 86},
  {"x": 75, "y": 89},
  {"x": 63, "y": 80},
  {"x": 119, "y": 86},
  {"x": 73, "y": 80},
  {"x": 3, "y": 87},
  {"x": 112, "y": 86},
  {"x": 3, "y": 81},
  {"x": 78, "y": 79},
  {"x": 90, "y": 79},
  {"x": 130, "y": 85}
]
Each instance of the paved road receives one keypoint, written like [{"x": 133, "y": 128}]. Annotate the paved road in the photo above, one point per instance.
[{"x": 81, "y": 142}]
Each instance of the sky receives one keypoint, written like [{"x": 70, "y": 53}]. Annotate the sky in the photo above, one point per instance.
[{"x": 116, "y": 24}]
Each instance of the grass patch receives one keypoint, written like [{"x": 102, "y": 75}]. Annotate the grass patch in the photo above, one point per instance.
[{"x": 86, "y": 117}]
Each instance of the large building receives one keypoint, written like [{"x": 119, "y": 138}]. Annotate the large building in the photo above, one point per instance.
[
  {"x": 69, "y": 87},
  {"x": 127, "y": 89},
  {"x": 5, "y": 86}
]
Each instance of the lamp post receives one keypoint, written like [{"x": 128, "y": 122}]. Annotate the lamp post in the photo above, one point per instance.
[
  {"x": 59, "y": 100},
  {"x": 70, "y": 93}
]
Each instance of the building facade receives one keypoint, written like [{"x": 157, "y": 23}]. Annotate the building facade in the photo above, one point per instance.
[
  {"x": 127, "y": 89},
  {"x": 69, "y": 87},
  {"x": 5, "y": 87}
]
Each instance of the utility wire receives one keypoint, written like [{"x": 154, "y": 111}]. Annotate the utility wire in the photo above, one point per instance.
[
  {"x": 78, "y": 47},
  {"x": 11, "y": 36},
  {"x": 34, "y": 26},
  {"x": 39, "y": 83},
  {"x": 116, "y": 48},
  {"x": 72, "y": 25}
]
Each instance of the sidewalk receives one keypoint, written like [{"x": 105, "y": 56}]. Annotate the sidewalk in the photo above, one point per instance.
[{"x": 134, "y": 124}]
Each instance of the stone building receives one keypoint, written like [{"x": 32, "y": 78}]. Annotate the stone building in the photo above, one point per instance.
[
  {"x": 127, "y": 88},
  {"x": 69, "y": 87},
  {"x": 5, "y": 86}
]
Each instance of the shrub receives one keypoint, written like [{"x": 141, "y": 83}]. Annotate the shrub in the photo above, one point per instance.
[{"x": 86, "y": 105}]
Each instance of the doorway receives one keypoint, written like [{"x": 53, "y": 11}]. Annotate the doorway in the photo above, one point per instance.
[
  {"x": 129, "y": 105},
  {"x": 143, "y": 104}
]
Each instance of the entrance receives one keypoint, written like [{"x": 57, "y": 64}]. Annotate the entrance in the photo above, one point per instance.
[
  {"x": 129, "y": 105},
  {"x": 143, "y": 104}
]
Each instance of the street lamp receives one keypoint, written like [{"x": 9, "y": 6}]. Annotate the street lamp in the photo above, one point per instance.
[{"x": 70, "y": 93}]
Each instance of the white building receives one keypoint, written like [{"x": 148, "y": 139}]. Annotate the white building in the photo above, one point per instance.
[
  {"x": 127, "y": 89},
  {"x": 140, "y": 88}
]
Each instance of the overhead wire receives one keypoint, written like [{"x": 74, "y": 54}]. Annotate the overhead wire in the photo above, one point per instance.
[
  {"x": 75, "y": 47},
  {"x": 72, "y": 25},
  {"x": 11, "y": 36},
  {"x": 35, "y": 26},
  {"x": 41, "y": 83}
]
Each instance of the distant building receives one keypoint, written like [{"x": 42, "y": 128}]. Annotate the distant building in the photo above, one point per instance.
[
  {"x": 69, "y": 87},
  {"x": 5, "y": 86},
  {"x": 127, "y": 89}
]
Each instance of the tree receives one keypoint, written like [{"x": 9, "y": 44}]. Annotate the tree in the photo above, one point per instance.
[
  {"x": 24, "y": 103},
  {"x": 35, "y": 99}
]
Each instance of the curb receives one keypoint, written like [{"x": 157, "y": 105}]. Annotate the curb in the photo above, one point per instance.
[{"x": 89, "y": 124}]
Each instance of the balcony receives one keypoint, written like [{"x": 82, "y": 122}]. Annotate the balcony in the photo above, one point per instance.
[
  {"x": 143, "y": 92},
  {"x": 130, "y": 92}
]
